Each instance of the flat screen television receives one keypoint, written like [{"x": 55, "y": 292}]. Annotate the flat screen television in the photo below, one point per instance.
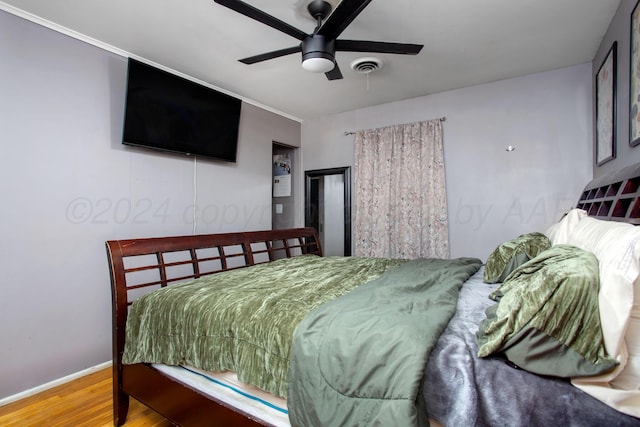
[{"x": 166, "y": 112}]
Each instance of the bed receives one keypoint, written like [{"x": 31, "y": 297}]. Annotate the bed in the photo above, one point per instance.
[{"x": 450, "y": 383}]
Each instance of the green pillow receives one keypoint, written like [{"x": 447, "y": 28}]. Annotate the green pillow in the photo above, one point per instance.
[
  {"x": 547, "y": 319},
  {"x": 512, "y": 254}
]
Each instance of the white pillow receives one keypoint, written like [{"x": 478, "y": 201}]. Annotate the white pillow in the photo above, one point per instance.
[
  {"x": 617, "y": 247},
  {"x": 629, "y": 379},
  {"x": 559, "y": 232}
]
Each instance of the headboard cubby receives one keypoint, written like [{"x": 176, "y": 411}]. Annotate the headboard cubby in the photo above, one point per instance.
[{"x": 614, "y": 197}]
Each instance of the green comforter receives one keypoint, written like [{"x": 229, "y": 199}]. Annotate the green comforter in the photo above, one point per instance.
[
  {"x": 241, "y": 320},
  {"x": 359, "y": 360}
]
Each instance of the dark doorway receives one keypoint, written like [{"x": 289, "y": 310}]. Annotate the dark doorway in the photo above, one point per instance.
[{"x": 328, "y": 208}]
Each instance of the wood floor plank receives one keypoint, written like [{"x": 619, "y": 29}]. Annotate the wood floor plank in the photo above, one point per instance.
[{"x": 85, "y": 401}]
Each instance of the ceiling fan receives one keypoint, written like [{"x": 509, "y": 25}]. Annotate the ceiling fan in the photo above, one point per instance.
[{"x": 319, "y": 48}]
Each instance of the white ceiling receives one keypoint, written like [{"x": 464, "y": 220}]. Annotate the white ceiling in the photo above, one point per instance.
[{"x": 466, "y": 42}]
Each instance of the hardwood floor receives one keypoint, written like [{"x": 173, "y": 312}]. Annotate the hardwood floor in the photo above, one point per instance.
[{"x": 82, "y": 402}]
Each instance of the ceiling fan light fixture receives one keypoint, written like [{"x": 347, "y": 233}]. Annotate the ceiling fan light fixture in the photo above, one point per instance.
[{"x": 318, "y": 64}]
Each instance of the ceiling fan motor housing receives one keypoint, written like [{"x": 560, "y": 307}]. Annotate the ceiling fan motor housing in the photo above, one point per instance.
[{"x": 317, "y": 46}]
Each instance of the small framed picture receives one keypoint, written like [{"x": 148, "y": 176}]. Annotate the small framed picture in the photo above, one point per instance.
[
  {"x": 606, "y": 108},
  {"x": 634, "y": 78}
]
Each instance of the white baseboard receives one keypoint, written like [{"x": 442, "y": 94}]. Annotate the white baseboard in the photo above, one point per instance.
[{"x": 54, "y": 383}]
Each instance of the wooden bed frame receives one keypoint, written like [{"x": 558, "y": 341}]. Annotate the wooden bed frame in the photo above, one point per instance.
[
  {"x": 614, "y": 197},
  {"x": 138, "y": 266}
]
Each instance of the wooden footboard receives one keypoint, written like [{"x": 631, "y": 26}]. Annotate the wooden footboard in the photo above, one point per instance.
[{"x": 138, "y": 266}]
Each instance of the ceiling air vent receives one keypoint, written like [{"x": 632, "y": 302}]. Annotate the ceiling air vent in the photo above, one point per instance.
[{"x": 366, "y": 65}]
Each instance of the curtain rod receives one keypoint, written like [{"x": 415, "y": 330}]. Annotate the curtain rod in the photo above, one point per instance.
[{"x": 352, "y": 132}]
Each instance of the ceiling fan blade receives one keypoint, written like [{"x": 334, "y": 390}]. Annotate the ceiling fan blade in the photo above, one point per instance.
[
  {"x": 334, "y": 74},
  {"x": 341, "y": 17},
  {"x": 271, "y": 55},
  {"x": 377, "y": 47},
  {"x": 253, "y": 13}
]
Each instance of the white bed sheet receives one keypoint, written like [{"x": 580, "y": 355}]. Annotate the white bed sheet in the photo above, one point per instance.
[{"x": 225, "y": 387}]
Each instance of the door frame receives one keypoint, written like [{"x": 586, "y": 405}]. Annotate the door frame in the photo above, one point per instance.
[{"x": 346, "y": 175}]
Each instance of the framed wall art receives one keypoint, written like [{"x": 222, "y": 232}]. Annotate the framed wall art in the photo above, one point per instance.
[
  {"x": 606, "y": 107},
  {"x": 634, "y": 78}
]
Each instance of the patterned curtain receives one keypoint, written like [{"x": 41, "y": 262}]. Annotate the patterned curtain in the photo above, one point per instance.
[{"x": 400, "y": 193}]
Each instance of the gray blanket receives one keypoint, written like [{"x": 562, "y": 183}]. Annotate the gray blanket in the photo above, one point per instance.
[
  {"x": 359, "y": 359},
  {"x": 462, "y": 390}
]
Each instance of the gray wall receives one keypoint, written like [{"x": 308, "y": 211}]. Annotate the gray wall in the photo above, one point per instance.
[
  {"x": 68, "y": 184},
  {"x": 619, "y": 30},
  {"x": 493, "y": 195}
]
